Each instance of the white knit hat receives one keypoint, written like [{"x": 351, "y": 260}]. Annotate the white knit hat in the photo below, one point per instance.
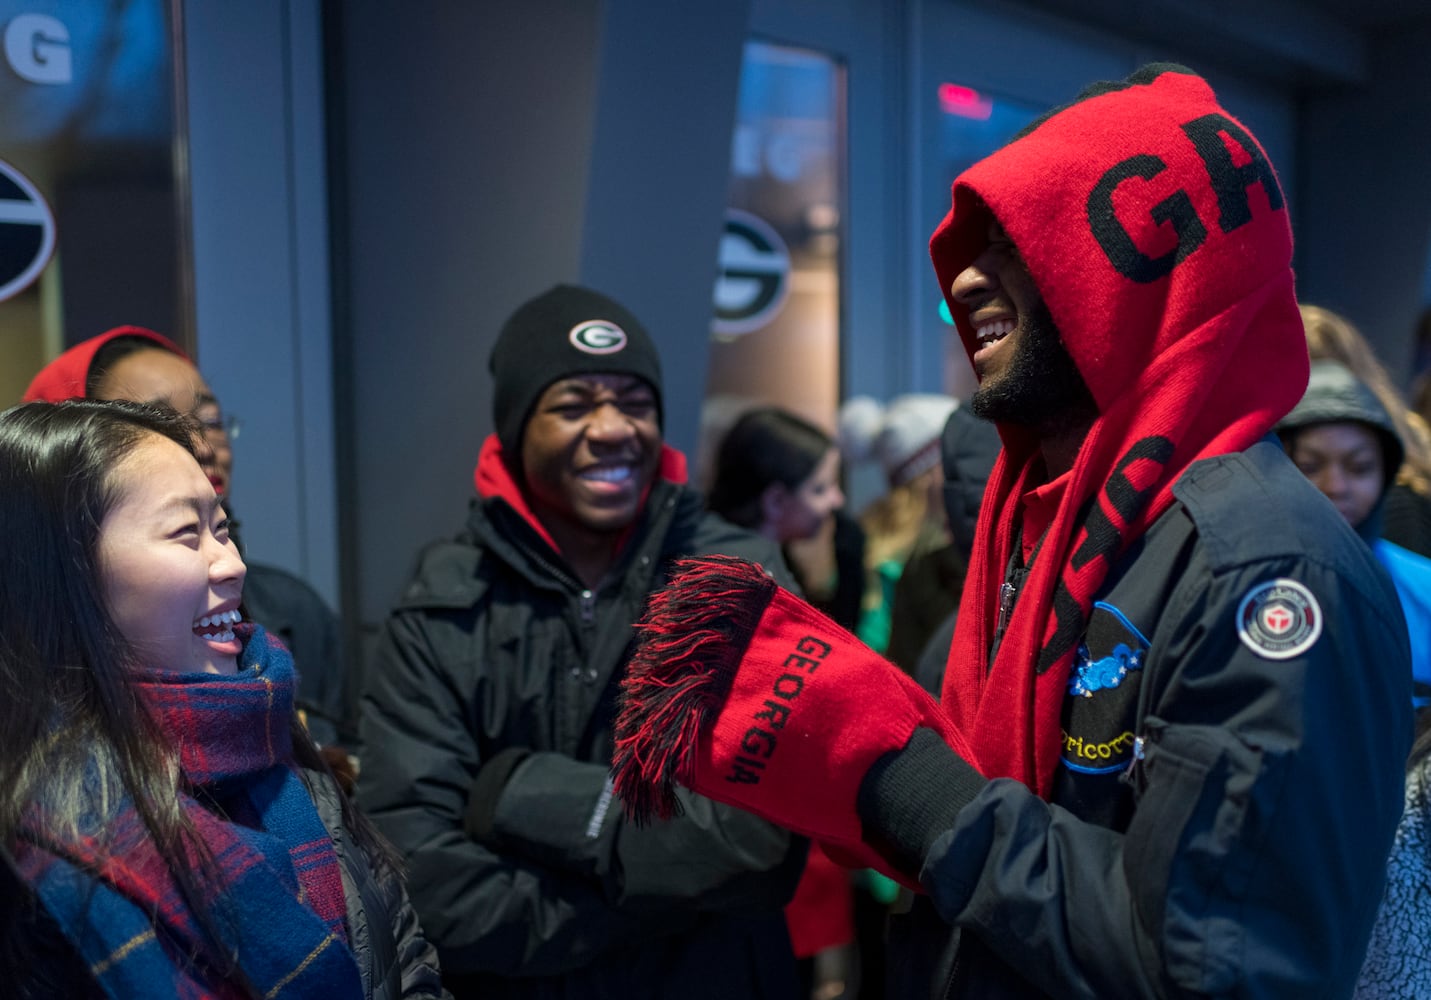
[{"x": 903, "y": 436}]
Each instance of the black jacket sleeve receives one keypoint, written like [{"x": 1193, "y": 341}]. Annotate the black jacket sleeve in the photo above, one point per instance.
[
  {"x": 553, "y": 900},
  {"x": 561, "y": 813}
]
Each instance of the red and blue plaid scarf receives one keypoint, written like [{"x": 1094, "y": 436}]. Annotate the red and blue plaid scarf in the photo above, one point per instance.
[{"x": 278, "y": 905}]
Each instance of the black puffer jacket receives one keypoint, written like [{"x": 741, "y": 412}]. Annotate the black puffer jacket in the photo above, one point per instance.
[
  {"x": 394, "y": 959},
  {"x": 495, "y": 647}
]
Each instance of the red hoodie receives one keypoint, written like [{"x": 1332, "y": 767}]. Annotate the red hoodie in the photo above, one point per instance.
[{"x": 1156, "y": 232}]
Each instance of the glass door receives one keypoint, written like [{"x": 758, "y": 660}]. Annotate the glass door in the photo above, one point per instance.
[
  {"x": 93, "y": 231},
  {"x": 777, "y": 301}
]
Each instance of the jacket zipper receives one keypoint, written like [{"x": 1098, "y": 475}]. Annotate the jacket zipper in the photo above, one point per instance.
[
  {"x": 1133, "y": 777},
  {"x": 1136, "y": 774},
  {"x": 1007, "y": 593},
  {"x": 954, "y": 972}
]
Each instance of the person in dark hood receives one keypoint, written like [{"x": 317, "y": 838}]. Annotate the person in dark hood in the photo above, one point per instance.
[
  {"x": 1167, "y": 759},
  {"x": 1344, "y": 440},
  {"x": 487, "y": 713},
  {"x": 1406, "y": 510}
]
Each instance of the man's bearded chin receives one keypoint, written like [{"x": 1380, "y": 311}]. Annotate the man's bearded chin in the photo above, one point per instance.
[{"x": 1042, "y": 388}]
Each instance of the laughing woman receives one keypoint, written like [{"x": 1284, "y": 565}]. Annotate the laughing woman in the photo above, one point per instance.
[{"x": 177, "y": 833}]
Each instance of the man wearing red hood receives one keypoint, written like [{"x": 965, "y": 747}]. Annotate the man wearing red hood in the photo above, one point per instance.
[
  {"x": 487, "y": 713},
  {"x": 1167, "y": 761}
]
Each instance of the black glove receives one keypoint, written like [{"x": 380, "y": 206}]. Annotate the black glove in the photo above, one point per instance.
[{"x": 911, "y": 796}]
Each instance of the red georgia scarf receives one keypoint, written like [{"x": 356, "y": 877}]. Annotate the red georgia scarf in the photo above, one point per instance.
[{"x": 1156, "y": 232}]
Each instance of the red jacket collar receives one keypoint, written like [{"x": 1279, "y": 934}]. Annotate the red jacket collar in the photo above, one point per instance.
[{"x": 493, "y": 478}]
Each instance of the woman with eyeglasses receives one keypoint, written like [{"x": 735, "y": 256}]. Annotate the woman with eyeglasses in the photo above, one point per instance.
[{"x": 134, "y": 363}]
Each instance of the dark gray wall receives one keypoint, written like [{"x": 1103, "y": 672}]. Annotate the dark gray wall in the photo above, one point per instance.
[
  {"x": 656, "y": 189},
  {"x": 258, "y": 210},
  {"x": 1366, "y": 195},
  {"x": 489, "y": 151}
]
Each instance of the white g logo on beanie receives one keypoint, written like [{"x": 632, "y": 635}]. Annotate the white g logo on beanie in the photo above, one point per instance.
[{"x": 597, "y": 336}]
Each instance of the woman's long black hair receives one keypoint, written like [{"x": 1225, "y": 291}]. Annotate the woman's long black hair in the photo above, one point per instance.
[{"x": 65, "y": 697}]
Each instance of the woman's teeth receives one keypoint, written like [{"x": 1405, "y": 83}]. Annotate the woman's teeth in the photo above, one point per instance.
[{"x": 219, "y": 625}]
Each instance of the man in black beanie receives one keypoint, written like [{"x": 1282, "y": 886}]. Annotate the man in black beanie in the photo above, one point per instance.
[{"x": 487, "y": 714}]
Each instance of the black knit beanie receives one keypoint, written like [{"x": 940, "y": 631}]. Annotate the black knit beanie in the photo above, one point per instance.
[{"x": 568, "y": 330}]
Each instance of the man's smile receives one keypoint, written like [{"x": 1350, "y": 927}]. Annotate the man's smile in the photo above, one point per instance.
[
  {"x": 990, "y": 333},
  {"x": 608, "y": 473}
]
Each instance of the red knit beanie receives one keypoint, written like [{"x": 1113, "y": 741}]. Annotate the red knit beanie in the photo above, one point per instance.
[{"x": 68, "y": 375}]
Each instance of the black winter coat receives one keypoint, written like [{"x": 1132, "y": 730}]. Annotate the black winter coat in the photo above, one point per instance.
[{"x": 496, "y": 647}]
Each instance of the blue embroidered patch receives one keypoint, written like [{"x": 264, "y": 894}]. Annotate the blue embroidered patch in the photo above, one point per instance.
[
  {"x": 1107, "y": 672},
  {"x": 1091, "y": 675}
]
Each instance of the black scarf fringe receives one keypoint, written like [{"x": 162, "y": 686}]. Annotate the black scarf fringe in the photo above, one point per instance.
[{"x": 691, "y": 640}]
